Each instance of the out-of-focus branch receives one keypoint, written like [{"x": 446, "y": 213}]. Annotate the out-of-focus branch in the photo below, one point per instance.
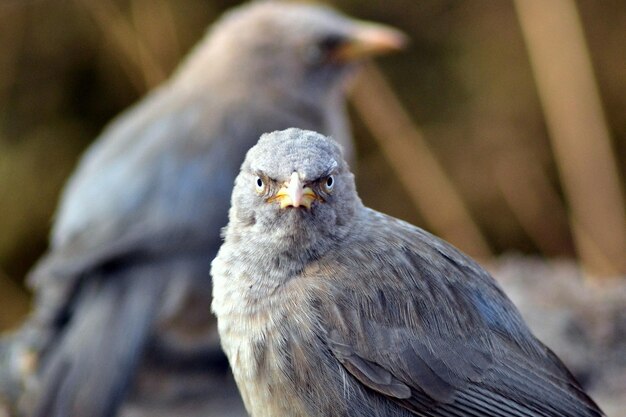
[
  {"x": 430, "y": 189},
  {"x": 154, "y": 23},
  {"x": 580, "y": 138},
  {"x": 533, "y": 201},
  {"x": 140, "y": 64}
]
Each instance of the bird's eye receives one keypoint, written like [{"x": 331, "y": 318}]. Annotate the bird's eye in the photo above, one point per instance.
[
  {"x": 321, "y": 50},
  {"x": 329, "y": 184},
  {"x": 331, "y": 42},
  {"x": 260, "y": 185}
]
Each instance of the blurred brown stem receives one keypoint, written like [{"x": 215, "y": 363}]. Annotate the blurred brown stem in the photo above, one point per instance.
[
  {"x": 139, "y": 62},
  {"x": 430, "y": 189},
  {"x": 154, "y": 23},
  {"x": 534, "y": 202},
  {"x": 578, "y": 130}
]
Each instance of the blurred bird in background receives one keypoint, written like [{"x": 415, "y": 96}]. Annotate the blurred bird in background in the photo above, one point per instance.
[{"x": 122, "y": 298}]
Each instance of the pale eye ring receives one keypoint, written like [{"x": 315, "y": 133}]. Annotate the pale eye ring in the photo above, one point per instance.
[
  {"x": 259, "y": 184},
  {"x": 329, "y": 184}
]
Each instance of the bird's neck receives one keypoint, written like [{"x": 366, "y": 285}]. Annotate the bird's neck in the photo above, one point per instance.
[{"x": 273, "y": 257}]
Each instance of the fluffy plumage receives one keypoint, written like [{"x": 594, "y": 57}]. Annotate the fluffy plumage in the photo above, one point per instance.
[
  {"x": 339, "y": 310},
  {"x": 123, "y": 295}
]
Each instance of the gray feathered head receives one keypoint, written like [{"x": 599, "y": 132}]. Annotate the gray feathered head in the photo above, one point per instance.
[
  {"x": 289, "y": 47},
  {"x": 294, "y": 184}
]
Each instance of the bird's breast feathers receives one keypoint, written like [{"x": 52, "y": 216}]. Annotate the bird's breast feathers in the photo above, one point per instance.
[{"x": 256, "y": 331}]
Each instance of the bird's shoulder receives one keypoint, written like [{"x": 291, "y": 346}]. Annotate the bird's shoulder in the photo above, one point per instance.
[
  {"x": 385, "y": 254},
  {"x": 398, "y": 276}
]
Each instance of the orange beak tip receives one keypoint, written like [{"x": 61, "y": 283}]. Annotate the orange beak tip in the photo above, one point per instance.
[{"x": 369, "y": 39}]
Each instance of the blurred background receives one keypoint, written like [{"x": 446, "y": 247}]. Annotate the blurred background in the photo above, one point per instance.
[{"x": 502, "y": 128}]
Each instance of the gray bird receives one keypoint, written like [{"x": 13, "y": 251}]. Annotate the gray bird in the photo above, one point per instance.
[
  {"x": 328, "y": 308},
  {"x": 123, "y": 294}
]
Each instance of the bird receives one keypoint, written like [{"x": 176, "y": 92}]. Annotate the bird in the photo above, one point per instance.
[
  {"x": 328, "y": 308},
  {"x": 122, "y": 317}
]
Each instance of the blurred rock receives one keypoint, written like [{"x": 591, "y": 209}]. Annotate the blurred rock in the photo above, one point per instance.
[{"x": 582, "y": 321}]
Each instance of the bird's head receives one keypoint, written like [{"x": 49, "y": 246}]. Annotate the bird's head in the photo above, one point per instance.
[
  {"x": 296, "y": 185},
  {"x": 292, "y": 48}
]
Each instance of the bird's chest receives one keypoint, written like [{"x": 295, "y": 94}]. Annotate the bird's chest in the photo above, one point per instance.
[
  {"x": 246, "y": 334},
  {"x": 259, "y": 335}
]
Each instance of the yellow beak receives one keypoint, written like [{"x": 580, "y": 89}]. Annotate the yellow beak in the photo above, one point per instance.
[
  {"x": 295, "y": 194},
  {"x": 370, "y": 39}
]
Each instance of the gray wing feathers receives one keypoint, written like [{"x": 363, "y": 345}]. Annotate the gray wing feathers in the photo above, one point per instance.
[
  {"x": 124, "y": 201},
  {"x": 434, "y": 382},
  {"x": 91, "y": 365},
  {"x": 425, "y": 356},
  {"x": 367, "y": 372}
]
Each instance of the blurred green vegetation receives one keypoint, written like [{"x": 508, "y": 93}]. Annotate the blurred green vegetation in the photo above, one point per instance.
[{"x": 68, "y": 67}]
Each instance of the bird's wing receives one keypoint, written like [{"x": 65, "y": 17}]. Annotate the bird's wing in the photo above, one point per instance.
[
  {"x": 418, "y": 322},
  {"x": 116, "y": 206},
  {"x": 136, "y": 180},
  {"x": 89, "y": 368}
]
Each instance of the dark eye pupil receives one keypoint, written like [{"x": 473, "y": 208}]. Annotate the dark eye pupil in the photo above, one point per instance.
[
  {"x": 259, "y": 182},
  {"x": 331, "y": 42},
  {"x": 321, "y": 50},
  {"x": 329, "y": 182}
]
